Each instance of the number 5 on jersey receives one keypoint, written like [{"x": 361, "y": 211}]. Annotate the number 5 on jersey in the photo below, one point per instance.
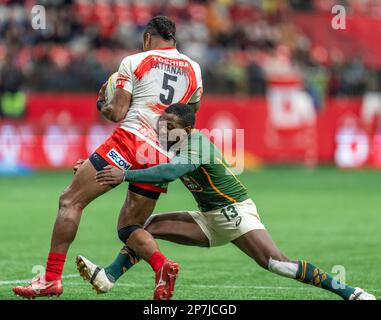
[{"x": 167, "y": 98}]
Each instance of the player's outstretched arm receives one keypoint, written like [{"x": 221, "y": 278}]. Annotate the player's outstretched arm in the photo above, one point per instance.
[
  {"x": 117, "y": 108},
  {"x": 161, "y": 173}
]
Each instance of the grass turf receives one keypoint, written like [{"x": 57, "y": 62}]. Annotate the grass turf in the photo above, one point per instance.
[{"x": 326, "y": 216}]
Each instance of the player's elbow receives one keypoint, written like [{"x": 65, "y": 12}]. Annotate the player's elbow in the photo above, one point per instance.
[
  {"x": 116, "y": 118},
  {"x": 109, "y": 112}
]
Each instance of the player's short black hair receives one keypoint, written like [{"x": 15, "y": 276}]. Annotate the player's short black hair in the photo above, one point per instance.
[
  {"x": 162, "y": 26},
  {"x": 184, "y": 111}
]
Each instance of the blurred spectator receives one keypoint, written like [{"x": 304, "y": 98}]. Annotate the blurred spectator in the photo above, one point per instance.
[
  {"x": 12, "y": 98},
  {"x": 235, "y": 42}
]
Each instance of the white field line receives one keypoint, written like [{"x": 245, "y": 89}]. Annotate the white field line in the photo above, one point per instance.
[
  {"x": 4, "y": 283},
  {"x": 136, "y": 285}
]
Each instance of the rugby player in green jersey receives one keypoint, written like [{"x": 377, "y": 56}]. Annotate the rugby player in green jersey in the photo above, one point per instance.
[{"x": 226, "y": 212}]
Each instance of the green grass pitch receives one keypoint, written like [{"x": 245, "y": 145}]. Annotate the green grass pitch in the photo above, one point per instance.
[{"x": 328, "y": 217}]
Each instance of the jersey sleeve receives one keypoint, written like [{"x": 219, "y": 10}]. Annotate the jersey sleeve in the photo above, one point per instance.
[
  {"x": 196, "y": 97},
  {"x": 125, "y": 73}
]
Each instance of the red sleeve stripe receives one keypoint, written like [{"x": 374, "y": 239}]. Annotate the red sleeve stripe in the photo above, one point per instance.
[
  {"x": 121, "y": 80},
  {"x": 144, "y": 67},
  {"x": 192, "y": 86}
]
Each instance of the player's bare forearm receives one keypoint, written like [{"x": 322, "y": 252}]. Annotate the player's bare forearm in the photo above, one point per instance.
[
  {"x": 111, "y": 112},
  {"x": 116, "y": 109}
]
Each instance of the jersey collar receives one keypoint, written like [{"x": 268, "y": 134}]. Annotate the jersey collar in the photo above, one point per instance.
[{"x": 165, "y": 48}]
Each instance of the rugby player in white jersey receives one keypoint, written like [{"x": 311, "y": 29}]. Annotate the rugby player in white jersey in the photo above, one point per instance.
[{"x": 147, "y": 84}]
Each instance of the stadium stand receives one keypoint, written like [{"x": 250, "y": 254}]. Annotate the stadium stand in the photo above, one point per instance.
[{"x": 237, "y": 43}]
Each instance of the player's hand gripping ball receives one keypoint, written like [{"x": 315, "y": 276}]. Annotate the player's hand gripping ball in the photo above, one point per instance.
[{"x": 110, "y": 87}]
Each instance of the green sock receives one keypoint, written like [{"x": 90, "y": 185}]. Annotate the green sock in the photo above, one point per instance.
[
  {"x": 309, "y": 274},
  {"x": 124, "y": 261}
]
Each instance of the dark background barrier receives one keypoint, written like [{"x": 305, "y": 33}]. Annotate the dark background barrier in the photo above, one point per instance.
[{"x": 58, "y": 129}]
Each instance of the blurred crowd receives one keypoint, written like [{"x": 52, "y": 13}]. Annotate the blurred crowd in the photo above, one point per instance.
[{"x": 239, "y": 44}]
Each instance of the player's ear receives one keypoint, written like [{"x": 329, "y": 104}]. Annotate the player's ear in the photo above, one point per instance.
[
  {"x": 188, "y": 130},
  {"x": 147, "y": 38}
]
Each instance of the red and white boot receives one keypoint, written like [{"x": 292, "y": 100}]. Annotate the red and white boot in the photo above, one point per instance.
[
  {"x": 165, "y": 280},
  {"x": 40, "y": 288}
]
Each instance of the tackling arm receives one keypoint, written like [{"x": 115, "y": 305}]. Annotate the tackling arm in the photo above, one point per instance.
[{"x": 161, "y": 173}]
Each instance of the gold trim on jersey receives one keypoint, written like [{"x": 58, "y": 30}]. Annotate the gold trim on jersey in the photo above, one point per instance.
[
  {"x": 215, "y": 188},
  {"x": 231, "y": 172}
]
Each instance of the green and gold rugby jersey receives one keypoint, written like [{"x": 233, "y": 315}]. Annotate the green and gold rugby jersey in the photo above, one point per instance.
[{"x": 212, "y": 183}]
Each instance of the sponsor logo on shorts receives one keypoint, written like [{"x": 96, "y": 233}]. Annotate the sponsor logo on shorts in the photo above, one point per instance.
[{"x": 118, "y": 159}]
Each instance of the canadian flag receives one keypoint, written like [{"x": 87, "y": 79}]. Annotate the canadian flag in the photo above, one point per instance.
[
  {"x": 352, "y": 144},
  {"x": 290, "y": 108}
]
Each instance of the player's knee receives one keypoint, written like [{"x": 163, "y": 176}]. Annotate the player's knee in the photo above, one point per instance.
[
  {"x": 125, "y": 232},
  {"x": 64, "y": 200},
  {"x": 68, "y": 201}
]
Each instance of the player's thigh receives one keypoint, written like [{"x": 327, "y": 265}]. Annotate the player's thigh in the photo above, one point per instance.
[
  {"x": 136, "y": 209},
  {"x": 84, "y": 188},
  {"x": 179, "y": 227},
  {"x": 259, "y": 245}
]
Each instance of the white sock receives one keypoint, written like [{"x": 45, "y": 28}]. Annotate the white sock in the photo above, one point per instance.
[{"x": 285, "y": 269}]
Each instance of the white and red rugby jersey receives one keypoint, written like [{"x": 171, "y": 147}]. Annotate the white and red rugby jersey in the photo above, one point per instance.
[{"x": 156, "y": 79}]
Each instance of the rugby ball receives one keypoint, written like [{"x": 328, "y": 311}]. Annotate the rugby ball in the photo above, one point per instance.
[{"x": 111, "y": 85}]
